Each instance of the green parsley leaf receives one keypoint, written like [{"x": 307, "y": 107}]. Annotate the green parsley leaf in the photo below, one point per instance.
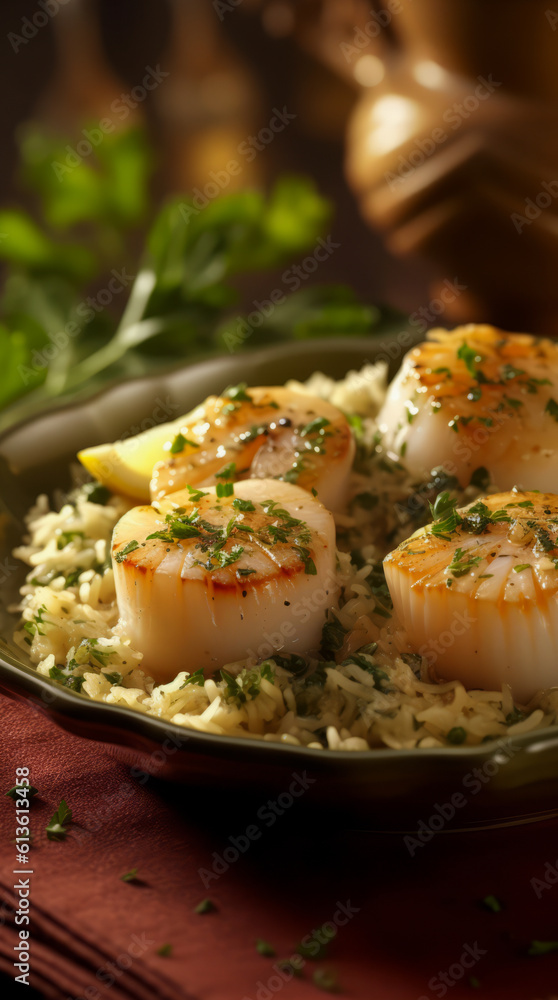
[
  {"x": 470, "y": 357},
  {"x": 65, "y": 537},
  {"x": 130, "y": 547},
  {"x": 457, "y": 735},
  {"x": 264, "y": 948},
  {"x": 444, "y": 515},
  {"x": 195, "y": 495},
  {"x": 196, "y": 678},
  {"x": 228, "y": 472},
  {"x": 97, "y": 493},
  {"x": 205, "y": 906},
  {"x": 542, "y": 947},
  {"x": 131, "y": 876},
  {"x": 333, "y": 634},
  {"x": 492, "y": 903},
  {"x": 224, "y": 489},
  {"x": 326, "y": 980},
  {"x": 462, "y": 563},
  {"x": 552, "y": 408},
  {"x": 55, "y": 829},
  {"x": 238, "y": 394},
  {"x": 244, "y": 505},
  {"x": 521, "y": 567},
  {"x": 165, "y": 950},
  {"x": 22, "y": 792},
  {"x": 316, "y": 426},
  {"x": 179, "y": 444}
]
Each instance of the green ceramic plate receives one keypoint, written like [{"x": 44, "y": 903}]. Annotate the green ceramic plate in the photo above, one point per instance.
[{"x": 426, "y": 790}]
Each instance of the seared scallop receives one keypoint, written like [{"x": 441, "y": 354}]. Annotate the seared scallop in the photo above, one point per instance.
[
  {"x": 267, "y": 432},
  {"x": 477, "y": 397},
  {"x": 204, "y": 577},
  {"x": 477, "y": 591}
]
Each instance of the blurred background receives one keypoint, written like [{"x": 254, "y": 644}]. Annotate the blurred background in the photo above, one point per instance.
[{"x": 417, "y": 140}]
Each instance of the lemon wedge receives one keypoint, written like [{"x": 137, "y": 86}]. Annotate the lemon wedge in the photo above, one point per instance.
[{"x": 126, "y": 466}]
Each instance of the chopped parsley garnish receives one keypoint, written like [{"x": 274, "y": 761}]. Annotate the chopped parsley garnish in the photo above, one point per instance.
[
  {"x": 244, "y": 505},
  {"x": 333, "y": 634},
  {"x": 457, "y": 735},
  {"x": 524, "y": 503},
  {"x": 326, "y": 980},
  {"x": 479, "y": 516},
  {"x": 22, "y": 792},
  {"x": 508, "y": 372},
  {"x": 296, "y": 665},
  {"x": 55, "y": 829},
  {"x": 196, "y": 678},
  {"x": 316, "y": 426},
  {"x": 446, "y": 519},
  {"x": 131, "y": 876},
  {"x": 542, "y": 947},
  {"x": 180, "y": 443},
  {"x": 521, "y": 567},
  {"x": 265, "y": 948},
  {"x": 444, "y": 515},
  {"x": 224, "y": 489},
  {"x": 97, "y": 493},
  {"x": 35, "y": 627},
  {"x": 65, "y": 537},
  {"x": 130, "y": 547},
  {"x": 195, "y": 495},
  {"x": 471, "y": 359},
  {"x": 246, "y": 683},
  {"x": 552, "y": 408},
  {"x": 65, "y": 676},
  {"x": 542, "y": 536},
  {"x": 113, "y": 678},
  {"x": 305, "y": 555},
  {"x": 165, "y": 950},
  {"x": 205, "y": 906},
  {"x": 237, "y": 395},
  {"x": 227, "y": 472},
  {"x": 492, "y": 903},
  {"x": 462, "y": 563},
  {"x": 317, "y": 946}
]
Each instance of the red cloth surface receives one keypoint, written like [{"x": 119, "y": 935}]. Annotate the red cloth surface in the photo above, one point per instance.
[{"x": 415, "y": 915}]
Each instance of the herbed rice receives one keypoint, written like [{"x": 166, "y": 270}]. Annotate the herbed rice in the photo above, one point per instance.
[{"x": 369, "y": 690}]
